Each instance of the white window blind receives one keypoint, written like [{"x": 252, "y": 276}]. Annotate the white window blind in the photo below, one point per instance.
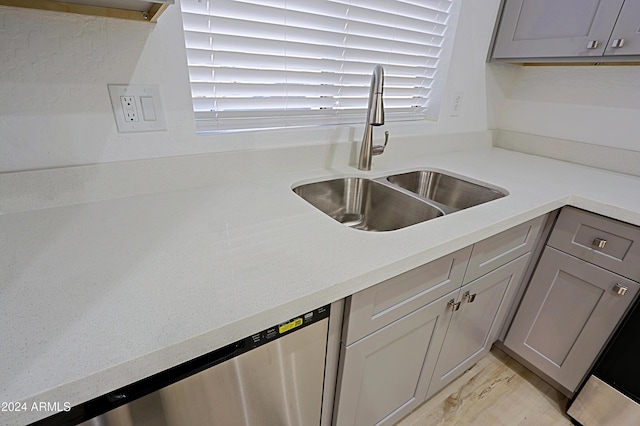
[{"x": 287, "y": 63}]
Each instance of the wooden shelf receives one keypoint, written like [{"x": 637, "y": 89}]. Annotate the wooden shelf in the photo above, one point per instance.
[{"x": 136, "y": 10}]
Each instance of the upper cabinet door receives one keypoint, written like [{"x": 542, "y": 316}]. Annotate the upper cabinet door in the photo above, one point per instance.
[
  {"x": 554, "y": 29},
  {"x": 625, "y": 39}
]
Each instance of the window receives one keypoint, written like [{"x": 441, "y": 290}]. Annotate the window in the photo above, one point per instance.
[{"x": 256, "y": 64}]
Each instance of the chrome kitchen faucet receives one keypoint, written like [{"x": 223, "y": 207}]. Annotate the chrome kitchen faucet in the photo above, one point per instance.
[{"x": 375, "y": 117}]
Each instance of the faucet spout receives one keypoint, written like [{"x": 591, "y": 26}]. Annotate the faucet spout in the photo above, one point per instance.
[{"x": 375, "y": 117}]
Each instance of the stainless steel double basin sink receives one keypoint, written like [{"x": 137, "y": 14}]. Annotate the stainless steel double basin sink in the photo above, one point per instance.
[{"x": 396, "y": 201}]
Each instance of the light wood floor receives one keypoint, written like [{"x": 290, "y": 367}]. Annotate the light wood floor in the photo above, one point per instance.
[{"x": 496, "y": 391}]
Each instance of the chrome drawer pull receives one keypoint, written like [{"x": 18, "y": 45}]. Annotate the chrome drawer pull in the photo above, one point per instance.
[
  {"x": 593, "y": 44},
  {"x": 620, "y": 289},
  {"x": 618, "y": 43},
  {"x": 599, "y": 243},
  {"x": 470, "y": 297},
  {"x": 454, "y": 306}
]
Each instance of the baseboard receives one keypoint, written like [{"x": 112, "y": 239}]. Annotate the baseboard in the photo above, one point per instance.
[{"x": 566, "y": 392}]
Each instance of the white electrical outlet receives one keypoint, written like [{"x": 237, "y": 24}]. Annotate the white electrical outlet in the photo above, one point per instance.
[
  {"x": 129, "y": 108},
  {"x": 137, "y": 108},
  {"x": 456, "y": 107}
]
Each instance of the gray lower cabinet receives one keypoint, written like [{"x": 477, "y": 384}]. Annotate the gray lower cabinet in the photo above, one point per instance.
[
  {"x": 442, "y": 316},
  {"x": 570, "y": 309},
  {"x": 584, "y": 282},
  {"x": 386, "y": 374},
  {"x": 476, "y": 321}
]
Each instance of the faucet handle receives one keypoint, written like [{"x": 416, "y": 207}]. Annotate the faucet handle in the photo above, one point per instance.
[{"x": 379, "y": 149}]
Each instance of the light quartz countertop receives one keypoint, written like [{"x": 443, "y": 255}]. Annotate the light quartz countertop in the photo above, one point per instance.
[{"x": 97, "y": 294}]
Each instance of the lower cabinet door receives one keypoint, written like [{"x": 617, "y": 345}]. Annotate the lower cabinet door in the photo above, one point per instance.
[
  {"x": 386, "y": 374},
  {"x": 474, "y": 326},
  {"x": 570, "y": 309}
]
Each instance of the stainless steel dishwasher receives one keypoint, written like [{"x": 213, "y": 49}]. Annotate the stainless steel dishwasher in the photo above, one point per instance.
[
  {"x": 274, "y": 377},
  {"x": 611, "y": 395}
]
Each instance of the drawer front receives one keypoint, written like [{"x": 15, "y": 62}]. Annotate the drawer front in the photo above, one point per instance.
[
  {"x": 493, "y": 252},
  {"x": 377, "y": 306},
  {"x": 605, "y": 242}
]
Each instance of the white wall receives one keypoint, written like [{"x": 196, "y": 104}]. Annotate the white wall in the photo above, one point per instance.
[
  {"x": 597, "y": 105},
  {"x": 55, "y": 109}
]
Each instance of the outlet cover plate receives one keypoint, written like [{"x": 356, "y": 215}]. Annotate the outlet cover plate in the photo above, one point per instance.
[{"x": 149, "y": 116}]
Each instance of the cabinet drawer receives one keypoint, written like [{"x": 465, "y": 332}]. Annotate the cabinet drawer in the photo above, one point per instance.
[
  {"x": 502, "y": 248},
  {"x": 599, "y": 240},
  {"x": 377, "y": 306}
]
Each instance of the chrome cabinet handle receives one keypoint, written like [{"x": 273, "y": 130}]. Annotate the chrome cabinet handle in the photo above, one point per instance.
[
  {"x": 470, "y": 297},
  {"x": 620, "y": 289},
  {"x": 593, "y": 44},
  {"x": 599, "y": 242},
  {"x": 617, "y": 43},
  {"x": 454, "y": 306}
]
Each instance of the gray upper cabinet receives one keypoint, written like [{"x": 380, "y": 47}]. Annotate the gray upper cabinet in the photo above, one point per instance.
[
  {"x": 625, "y": 38},
  {"x": 569, "y": 30}
]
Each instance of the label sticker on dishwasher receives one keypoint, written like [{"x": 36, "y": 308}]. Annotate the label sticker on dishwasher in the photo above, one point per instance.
[{"x": 283, "y": 328}]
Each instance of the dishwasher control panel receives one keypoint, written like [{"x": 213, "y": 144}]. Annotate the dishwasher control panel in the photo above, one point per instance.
[{"x": 286, "y": 327}]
